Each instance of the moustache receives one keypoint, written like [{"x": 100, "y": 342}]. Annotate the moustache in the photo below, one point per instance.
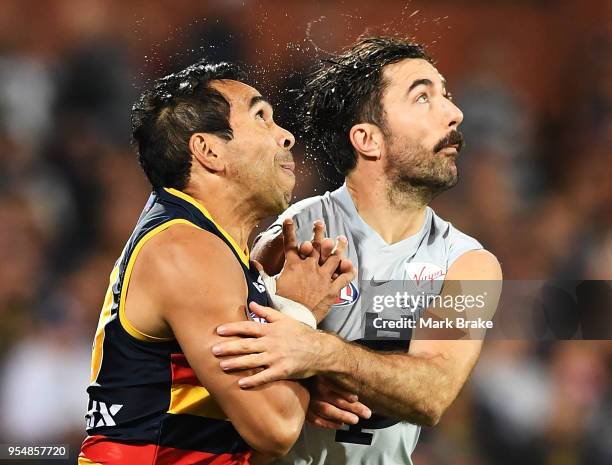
[
  {"x": 285, "y": 157},
  {"x": 452, "y": 138}
]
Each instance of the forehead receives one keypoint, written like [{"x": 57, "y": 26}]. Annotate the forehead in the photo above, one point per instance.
[
  {"x": 237, "y": 93},
  {"x": 404, "y": 72}
]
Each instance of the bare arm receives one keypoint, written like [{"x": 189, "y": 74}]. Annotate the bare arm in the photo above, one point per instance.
[
  {"x": 417, "y": 386},
  {"x": 198, "y": 285},
  {"x": 421, "y": 385}
]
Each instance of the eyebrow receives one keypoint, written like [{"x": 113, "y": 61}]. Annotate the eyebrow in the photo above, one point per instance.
[
  {"x": 426, "y": 82},
  {"x": 419, "y": 82},
  {"x": 255, "y": 100}
]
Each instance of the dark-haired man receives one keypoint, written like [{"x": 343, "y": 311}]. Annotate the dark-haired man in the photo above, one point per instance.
[
  {"x": 218, "y": 164},
  {"x": 381, "y": 113}
]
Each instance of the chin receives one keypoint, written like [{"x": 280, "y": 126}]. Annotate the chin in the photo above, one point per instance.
[{"x": 280, "y": 203}]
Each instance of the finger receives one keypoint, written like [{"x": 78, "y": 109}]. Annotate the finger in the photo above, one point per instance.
[
  {"x": 343, "y": 279},
  {"x": 238, "y": 347},
  {"x": 318, "y": 233},
  {"x": 258, "y": 265},
  {"x": 327, "y": 247},
  {"x": 346, "y": 266},
  {"x": 322, "y": 422},
  {"x": 245, "y": 362},
  {"x": 348, "y": 396},
  {"x": 333, "y": 413},
  {"x": 263, "y": 377},
  {"x": 328, "y": 387},
  {"x": 267, "y": 313},
  {"x": 289, "y": 238},
  {"x": 341, "y": 243},
  {"x": 241, "y": 328},
  {"x": 305, "y": 249},
  {"x": 357, "y": 408},
  {"x": 331, "y": 265}
]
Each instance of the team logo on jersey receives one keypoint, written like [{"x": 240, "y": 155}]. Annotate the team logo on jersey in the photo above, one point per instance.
[
  {"x": 256, "y": 318},
  {"x": 259, "y": 285},
  {"x": 102, "y": 414},
  {"x": 348, "y": 296},
  {"x": 424, "y": 274}
]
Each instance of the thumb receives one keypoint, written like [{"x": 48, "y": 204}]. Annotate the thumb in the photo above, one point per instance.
[
  {"x": 268, "y": 313},
  {"x": 258, "y": 265}
]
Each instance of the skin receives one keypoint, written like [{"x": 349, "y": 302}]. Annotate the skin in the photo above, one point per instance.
[
  {"x": 417, "y": 119},
  {"x": 173, "y": 293}
]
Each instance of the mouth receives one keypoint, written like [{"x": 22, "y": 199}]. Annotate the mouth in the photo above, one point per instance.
[
  {"x": 288, "y": 166},
  {"x": 451, "y": 149}
]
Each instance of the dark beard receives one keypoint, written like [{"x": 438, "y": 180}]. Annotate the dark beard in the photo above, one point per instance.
[{"x": 416, "y": 172}]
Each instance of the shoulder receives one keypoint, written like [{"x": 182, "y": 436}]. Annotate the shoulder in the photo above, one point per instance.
[
  {"x": 475, "y": 265},
  {"x": 184, "y": 254},
  {"x": 309, "y": 208},
  {"x": 457, "y": 242}
]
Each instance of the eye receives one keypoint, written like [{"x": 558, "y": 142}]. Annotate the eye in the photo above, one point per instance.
[
  {"x": 260, "y": 114},
  {"x": 422, "y": 98}
]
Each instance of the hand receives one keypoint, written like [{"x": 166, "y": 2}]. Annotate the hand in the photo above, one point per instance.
[
  {"x": 284, "y": 347},
  {"x": 325, "y": 246},
  {"x": 306, "y": 280},
  {"x": 331, "y": 406}
]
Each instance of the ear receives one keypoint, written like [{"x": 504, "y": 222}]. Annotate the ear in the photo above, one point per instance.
[
  {"x": 367, "y": 139},
  {"x": 206, "y": 149}
]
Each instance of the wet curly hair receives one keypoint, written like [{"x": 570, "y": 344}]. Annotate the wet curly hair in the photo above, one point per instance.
[{"x": 346, "y": 90}]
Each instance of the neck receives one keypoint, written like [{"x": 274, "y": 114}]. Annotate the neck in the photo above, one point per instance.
[
  {"x": 395, "y": 216},
  {"x": 229, "y": 210}
]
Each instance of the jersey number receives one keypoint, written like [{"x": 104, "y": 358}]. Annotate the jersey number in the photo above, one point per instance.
[{"x": 355, "y": 433}]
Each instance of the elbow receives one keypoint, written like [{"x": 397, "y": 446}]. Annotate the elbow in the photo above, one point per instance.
[
  {"x": 431, "y": 417},
  {"x": 276, "y": 440},
  {"x": 426, "y": 414}
]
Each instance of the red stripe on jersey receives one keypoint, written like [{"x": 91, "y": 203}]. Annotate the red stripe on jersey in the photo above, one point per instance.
[
  {"x": 104, "y": 451},
  {"x": 182, "y": 373}
]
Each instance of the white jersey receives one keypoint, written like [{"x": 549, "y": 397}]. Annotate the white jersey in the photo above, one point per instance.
[{"x": 425, "y": 256}]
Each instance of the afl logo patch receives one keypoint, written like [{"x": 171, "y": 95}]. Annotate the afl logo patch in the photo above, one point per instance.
[{"x": 348, "y": 295}]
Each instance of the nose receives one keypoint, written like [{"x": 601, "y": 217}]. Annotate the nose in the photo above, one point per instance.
[
  {"x": 455, "y": 116},
  {"x": 285, "y": 139}
]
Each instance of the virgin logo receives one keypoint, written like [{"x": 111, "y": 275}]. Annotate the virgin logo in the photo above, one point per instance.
[{"x": 422, "y": 273}]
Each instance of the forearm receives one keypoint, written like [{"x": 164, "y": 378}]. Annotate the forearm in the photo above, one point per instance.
[
  {"x": 279, "y": 412},
  {"x": 286, "y": 404},
  {"x": 412, "y": 388}
]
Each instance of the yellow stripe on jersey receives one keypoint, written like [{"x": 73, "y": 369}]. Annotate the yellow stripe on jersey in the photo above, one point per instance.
[
  {"x": 86, "y": 461},
  {"x": 105, "y": 317},
  {"x": 243, "y": 254},
  {"x": 194, "y": 400},
  {"x": 126, "y": 282}
]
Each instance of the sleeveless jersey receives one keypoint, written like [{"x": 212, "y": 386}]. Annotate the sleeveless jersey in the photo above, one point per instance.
[
  {"x": 146, "y": 405},
  {"x": 426, "y": 255}
]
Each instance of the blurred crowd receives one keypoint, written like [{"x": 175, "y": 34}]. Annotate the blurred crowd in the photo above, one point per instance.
[{"x": 533, "y": 79}]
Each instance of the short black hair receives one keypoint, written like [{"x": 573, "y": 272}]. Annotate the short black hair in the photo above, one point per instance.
[
  {"x": 179, "y": 105},
  {"x": 347, "y": 89}
]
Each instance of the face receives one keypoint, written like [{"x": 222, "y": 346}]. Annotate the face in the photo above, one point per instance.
[
  {"x": 422, "y": 140},
  {"x": 258, "y": 156}
]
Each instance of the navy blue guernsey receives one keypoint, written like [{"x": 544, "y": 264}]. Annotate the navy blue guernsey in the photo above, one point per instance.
[{"x": 146, "y": 405}]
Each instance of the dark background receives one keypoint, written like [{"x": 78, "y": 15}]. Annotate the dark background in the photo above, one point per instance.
[{"x": 534, "y": 81}]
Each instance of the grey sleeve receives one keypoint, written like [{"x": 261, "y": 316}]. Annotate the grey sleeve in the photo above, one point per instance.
[{"x": 460, "y": 243}]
